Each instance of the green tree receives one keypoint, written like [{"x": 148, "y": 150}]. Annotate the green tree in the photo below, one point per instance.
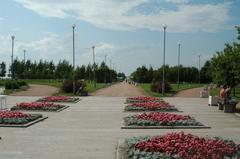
[
  {"x": 226, "y": 65},
  {"x": 206, "y": 72},
  {"x": 2, "y": 69}
]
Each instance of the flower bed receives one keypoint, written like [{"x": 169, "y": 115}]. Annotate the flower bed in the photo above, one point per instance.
[
  {"x": 150, "y": 106},
  {"x": 160, "y": 119},
  {"x": 17, "y": 118},
  {"x": 44, "y": 106},
  {"x": 142, "y": 99},
  {"x": 181, "y": 146},
  {"x": 58, "y": 99}
]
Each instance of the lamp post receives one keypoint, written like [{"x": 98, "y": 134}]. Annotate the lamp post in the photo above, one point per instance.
[
  {"x": 199, "y": 76},
  {"x": 74, "y": 83},
  {"x": 94, "y": 72},
  {"x": 179, "y": 45},
  {"x": 24, "y": 55},
  {"x": 105, "y": 73},
  {"x": 164, "y": 45},
  {"x": 110, "y": 70},
  {"x": 13, "y": 37}
]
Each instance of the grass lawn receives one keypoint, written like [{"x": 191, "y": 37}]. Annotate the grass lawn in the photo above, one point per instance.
[
  {"x": 58, "y": 83},
  {"x": 147, "y": 88},
  {"x": 54, "y": 83}
]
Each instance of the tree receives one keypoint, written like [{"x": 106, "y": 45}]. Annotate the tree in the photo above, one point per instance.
[
  {"x": 206, "y": 72},
  {"x": 2, "y": 69},
  {"x": 226, "y": 65},
  {"x": 63, "y": 70}
]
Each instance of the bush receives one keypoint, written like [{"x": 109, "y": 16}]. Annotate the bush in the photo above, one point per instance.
[
  {"x": 22, "y": 83},
  {"x": 157, "y": 87},
  {"x": 67, "y": 86},
  {"x": 11, "y": 85}
]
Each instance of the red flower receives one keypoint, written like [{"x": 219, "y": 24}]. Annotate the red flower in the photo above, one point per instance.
[
  {"x": 162, "y": 117},
  {"x": 144, "y": 98},
  {"x": 189, "y": 146},
  {"x": 35, "y": 104},
  {"x": 153, "y": 105},
  {"x": 56, "y": 98},
  {"x": 12, "y": 114}
]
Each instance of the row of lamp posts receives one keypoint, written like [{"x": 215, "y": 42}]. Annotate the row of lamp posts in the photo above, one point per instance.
[{"x": 94, "y": 73}]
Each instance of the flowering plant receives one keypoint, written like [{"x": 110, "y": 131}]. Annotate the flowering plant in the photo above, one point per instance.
[
  {"x": 141, "y": 99},
  {"x": 15, "y": 117},
  {"x": 182, "y": 146},
  {"x": 152, "y": 106},
  {"x": 37, "y": 106},
  {"x": 160, "y": 119},
  {"x": 58, "y": 99}
]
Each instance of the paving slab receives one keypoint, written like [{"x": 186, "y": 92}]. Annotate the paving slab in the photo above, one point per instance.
[{"x": 91, "y": 129}]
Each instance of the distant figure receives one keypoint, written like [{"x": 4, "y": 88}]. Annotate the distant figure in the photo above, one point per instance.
[
  {"x": 224, "y": 93},
  {"x": 210, "y": 87}
]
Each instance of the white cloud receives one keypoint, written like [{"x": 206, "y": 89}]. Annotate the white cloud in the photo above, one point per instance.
[
  {"x": 48, "y": 48},
  {"x": 53, "y": 47},
  {"x": 1, "y": 18},
  {"x": 116, "y": 15}
]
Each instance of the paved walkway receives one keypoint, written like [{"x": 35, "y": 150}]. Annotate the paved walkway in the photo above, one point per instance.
[
  {"x": 122, "y": 89},
  {"x": 191, "y": 93},
  {"x": 37, "y": 90},
  {"x": 90, "y": 129}
]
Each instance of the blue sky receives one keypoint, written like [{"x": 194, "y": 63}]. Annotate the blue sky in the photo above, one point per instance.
[{"x": 129, "y": 32}]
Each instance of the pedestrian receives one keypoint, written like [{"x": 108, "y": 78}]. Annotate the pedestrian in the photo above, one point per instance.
[{"x": 224, "y": 93}]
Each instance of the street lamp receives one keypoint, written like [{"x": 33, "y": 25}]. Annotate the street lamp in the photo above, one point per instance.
[
  {"x": 24, "y": 55},
  {"x": 74, "y": 83},
  {"x": 179, "y": 45},
  {"x": 199, "y": 76},
  {"x": 105, "y": 76},
  {"x": 13, "y": 37},
  {"x": 164, "y": 45},
  {"x": 94, "y": 72},
  {"x": 110, "y": 70}
]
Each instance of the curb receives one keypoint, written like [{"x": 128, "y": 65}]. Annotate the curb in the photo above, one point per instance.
[{"x": 23, "y": 125}]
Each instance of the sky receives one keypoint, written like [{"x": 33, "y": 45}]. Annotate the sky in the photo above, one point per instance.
[{"x": 128, "y": 32}]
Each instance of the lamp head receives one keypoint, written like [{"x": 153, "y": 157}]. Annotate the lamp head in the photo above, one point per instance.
[
  {"x": 74, "y": 26},
  {"x": 164, "y": 26}
]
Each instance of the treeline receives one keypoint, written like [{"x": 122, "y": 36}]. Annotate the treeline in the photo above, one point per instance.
[
  {"x": 186, "y": 74},
  {"x": 222, "y": 68},
  {"x": 62, "y": 70}
]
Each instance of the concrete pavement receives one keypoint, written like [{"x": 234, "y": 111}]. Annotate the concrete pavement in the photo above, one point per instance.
[{"x": 90, "y": 129}]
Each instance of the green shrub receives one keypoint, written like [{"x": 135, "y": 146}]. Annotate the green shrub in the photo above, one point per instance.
[
  {"x": 22, "y": 83},
  {"x": 157, "y": 87},
  {"x": 68, "y": 86},
  {"x": 14, "y": 84},
  {"x": 11, "y": 85}
]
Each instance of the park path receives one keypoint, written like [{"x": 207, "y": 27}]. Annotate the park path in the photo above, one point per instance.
[
  {"x": 91, "y": 129},
  {"x": 122, "y": 89},
  {"x": 37, "y": 90},
  {"x": 191, "y": 93}
]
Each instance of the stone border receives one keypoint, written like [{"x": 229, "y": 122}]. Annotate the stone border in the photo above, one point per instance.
[
  {"x": 59, "y": 110},
  {"x": 165, "y": 127},
  {"x": 121, "y": 152},
  {"x": 23, "y": 125}
]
